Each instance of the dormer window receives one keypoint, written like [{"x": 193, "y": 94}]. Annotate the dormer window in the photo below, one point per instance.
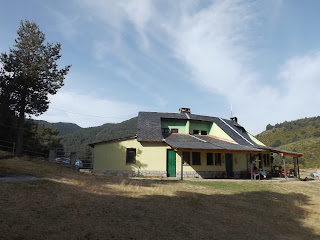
[
  {"x": 174, "y": 130},
  {"x": 195, "y": 131},
  {"x": 165, "y": 130},
  {"x": 204, "y": 133}
]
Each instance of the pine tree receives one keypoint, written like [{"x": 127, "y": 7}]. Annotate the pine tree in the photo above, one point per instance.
[{"x": 30, "y": 73}]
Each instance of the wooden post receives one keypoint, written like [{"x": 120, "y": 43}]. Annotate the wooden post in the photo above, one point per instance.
[
  {"x": 73, "y": 158},
  {"x": 52, "y": 155},
  {"x": 298, "y": 168},
  {"x": 181, "y": 165},
  {"x": 284, "y": 166},
  {"x": 14, "y": 145}
]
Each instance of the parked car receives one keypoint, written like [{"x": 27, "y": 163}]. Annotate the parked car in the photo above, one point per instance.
[
  {"x": 79, "y": 163},
  {"x": 62, "y": 160},
  {"x": 66, "y": 161}
]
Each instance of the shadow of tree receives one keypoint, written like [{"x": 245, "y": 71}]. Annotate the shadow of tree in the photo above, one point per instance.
[{"x": 71, "y": 211}]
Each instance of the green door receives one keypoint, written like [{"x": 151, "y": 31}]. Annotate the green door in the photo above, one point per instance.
[
  {"x": 229, "y": 165},
  {"x": 171, "y": 163}
]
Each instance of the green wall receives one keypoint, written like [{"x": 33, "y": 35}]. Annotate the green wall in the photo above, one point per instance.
[
  {"x": 179, "y": 124},
  {"x": 199, "y": 126}
]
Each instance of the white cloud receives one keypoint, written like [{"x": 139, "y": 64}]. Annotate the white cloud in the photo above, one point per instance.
[
  {"x": 87, "y": 110},
  {"x": 216, "y": 43}
]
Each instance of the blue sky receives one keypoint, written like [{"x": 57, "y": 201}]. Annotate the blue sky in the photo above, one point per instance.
[{"x": 263, "y": 57}]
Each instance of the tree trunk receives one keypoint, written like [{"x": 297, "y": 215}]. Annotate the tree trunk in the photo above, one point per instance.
[{"x": 20, "y": 132}]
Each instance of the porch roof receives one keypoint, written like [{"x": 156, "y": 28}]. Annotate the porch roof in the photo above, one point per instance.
[
  {"x": 282, "y": 152},
  {"x": 201, "y": 142}
]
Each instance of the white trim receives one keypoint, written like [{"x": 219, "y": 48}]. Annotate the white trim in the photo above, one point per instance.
[
  {"x": 236, "y": 131},
  {"x": 187, "y": 115},
  {"x": 198, "y": 138}
]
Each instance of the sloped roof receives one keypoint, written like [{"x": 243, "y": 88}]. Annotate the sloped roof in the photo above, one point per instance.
[
  {"x": 184, "y": 141},
  {"x": 149, "y": 126},
  {"x": 149, "y": 130}
]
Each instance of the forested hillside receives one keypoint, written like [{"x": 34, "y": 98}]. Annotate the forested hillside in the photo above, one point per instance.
[
  {"x": 78, "y": 141},
  {"x": 301, "y": 135},
  {"x": 62, "y": 127}
]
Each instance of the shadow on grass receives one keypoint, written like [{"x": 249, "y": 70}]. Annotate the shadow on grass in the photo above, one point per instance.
[{"x": 64, "y": 211}]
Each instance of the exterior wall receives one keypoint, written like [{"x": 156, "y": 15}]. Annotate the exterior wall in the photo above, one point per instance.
[
  {"x": 240, "y": 162},
  {"x": 179, "y": 124},
  {"x": 255, "y": 140},
  {"x": 110, "y": 157},
  {"x": 199, "y": 126},
  {"x": 203, "y": 170},
  {"x": 218, "y": 132},
  {"x": 151, "y": 159}
]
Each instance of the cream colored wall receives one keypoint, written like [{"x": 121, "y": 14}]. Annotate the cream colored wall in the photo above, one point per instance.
[
  {"x": 112, "y": 156},
  {"x": 203, "y": 166},
  {"x": 240, "y": 162},
  {"x": 218, "y": 132}
]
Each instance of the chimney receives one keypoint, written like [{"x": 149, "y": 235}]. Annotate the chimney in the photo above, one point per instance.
[
  {"x": 235, "y": 119},
  {"x": 184, "y": 110}
]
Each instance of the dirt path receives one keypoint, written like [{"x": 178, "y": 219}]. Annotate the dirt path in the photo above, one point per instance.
[{"x": 17, "y": 178}]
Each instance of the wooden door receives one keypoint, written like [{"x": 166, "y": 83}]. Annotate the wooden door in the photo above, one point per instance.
[
  {"x": 171, "y": 163},
  {"x": 229, "y": 167}
]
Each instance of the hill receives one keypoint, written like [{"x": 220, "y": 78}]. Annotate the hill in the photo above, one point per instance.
[
  {"x": 78, "y": 140},
  {"x": 302, "y": 135},
  {"x": 62, "y": 127}
]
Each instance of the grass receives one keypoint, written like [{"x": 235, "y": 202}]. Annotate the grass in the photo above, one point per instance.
[{"x": 66, "y": 204}]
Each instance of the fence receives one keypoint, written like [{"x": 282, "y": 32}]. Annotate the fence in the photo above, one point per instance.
[
  {"x": 7, "y": 146},
  {"x": 69, "y": 159}
]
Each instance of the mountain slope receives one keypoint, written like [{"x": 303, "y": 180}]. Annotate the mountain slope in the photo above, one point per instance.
[
  {"x": 301, "y": 135},
  {"x": 78, "y": 141},
  {"x": 62, "y": 127}
]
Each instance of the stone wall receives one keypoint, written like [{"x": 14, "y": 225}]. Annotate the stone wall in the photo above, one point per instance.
[
  {"x": 203, "y": 174},
  {"x": 241, "y": 174},
  {"x": 132, "y": 173}
]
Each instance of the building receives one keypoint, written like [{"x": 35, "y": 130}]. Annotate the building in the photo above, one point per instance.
[{"x": 167, "y": 144}]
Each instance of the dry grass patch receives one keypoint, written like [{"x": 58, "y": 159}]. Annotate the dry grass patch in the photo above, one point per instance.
[{"x": 66, "y": 204}]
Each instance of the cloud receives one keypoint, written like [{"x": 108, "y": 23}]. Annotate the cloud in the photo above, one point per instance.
[
  {"x": 218, "y": 45},
  {"x": 86, "y": 110}
]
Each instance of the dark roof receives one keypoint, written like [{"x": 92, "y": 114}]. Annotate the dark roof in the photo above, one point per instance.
[
  {"x": 112, "y": 140},
  {"x": 149, "y": 126},
  {"x": 149, "y": 130},
  {"x": 284, "y": 152},
  {"x": 197, "y": 142}
]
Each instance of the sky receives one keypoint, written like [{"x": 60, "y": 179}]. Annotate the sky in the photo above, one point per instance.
[{"x": 260, "y": 57}]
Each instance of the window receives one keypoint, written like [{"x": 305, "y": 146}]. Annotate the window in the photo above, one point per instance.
[
  {"x": 174, "y": 130},
  {"x": 209, "y": 158},
  {"x": 186, "y": 158},
  {"x": 131, "y": 156},
  {"x": 196, "y": 158},
  {"x": 165, "y": 130},
  {"x": 217, "y": 158},
  {"x": 195, "y": 131},
  {"x": 265, "y": 159},
  {"x": 204, "y": 133}
]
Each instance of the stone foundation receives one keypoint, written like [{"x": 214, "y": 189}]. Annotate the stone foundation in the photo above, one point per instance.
[
  {"x": 131, "y": 173},
  {"x": 202, "y": 174},
  {"x": 241, "y": 174},
  {"x": 186, "y": 174}
]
